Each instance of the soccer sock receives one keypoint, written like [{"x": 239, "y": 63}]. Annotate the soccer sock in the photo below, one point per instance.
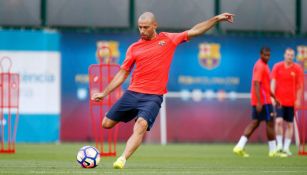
[
  {"x": 243, "y": 140},
  {"x": 287, "y": 143},
  {"x": 279, "y": 141},
  {"x": 123, "y": 157},
  {"x": 272, "y": 145}
]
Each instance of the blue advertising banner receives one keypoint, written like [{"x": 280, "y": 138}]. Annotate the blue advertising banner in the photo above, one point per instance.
[
  {"x": 205, "y": 63},
  {"x": 78, "y": 53},
  {"x": 36, "y": 58},
  {"x": 53, "y": 71},
  {"x": 223, "y": 62}
]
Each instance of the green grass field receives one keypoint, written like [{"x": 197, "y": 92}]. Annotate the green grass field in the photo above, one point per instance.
[{"x": 153, "y": 159}]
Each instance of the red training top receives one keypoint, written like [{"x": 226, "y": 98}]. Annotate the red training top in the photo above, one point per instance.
[
  {"x": 152, "y": 61},
  {"x": 261, "y": 73},
  {"x": 288, "y": 81}
]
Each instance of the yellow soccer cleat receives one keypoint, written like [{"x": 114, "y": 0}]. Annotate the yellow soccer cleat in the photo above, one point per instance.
[
  {"x": 119, "y": 163},
  {"x": 279, "y": 148},
  {"x": 240, "y": 152},
  {"x": 288, "y": 152},
  {"x": 277, "y": 154}
]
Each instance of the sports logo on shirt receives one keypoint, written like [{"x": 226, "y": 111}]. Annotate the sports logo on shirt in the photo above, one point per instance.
[
  {"x": 162, "y": 43},
  {"x": 302, "y": 56},
  {"x": 209, "y": 55}
]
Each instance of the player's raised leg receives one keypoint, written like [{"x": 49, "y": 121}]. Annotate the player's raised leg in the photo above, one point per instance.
[{"x": 133, "y": 142}]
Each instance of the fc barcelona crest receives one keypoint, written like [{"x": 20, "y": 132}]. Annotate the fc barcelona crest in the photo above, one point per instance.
[
  {"x": 108, "y": 51},
  {"x": 302, "y": 56},
  {"x": 209, "y": 55}
]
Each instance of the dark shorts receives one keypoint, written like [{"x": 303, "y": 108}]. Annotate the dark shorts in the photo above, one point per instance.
[
  {"x": 134, "y": 104},
  {"x": 285, "y": 112},
  {"x": 266, "y": 113}
]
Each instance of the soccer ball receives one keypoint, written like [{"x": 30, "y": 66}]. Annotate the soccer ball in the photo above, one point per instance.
[{"x": 88, "y": 157}]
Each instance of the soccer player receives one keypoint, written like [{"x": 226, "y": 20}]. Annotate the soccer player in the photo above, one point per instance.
[
  {"x": 151, "y": 56},
  {"x": 262, "y": 109},
  {"x": 287, "y": 85}
]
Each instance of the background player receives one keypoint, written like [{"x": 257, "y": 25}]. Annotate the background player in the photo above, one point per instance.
[
  {"x": 262, "y": 109},
  {"x": 287, "y": 85}
]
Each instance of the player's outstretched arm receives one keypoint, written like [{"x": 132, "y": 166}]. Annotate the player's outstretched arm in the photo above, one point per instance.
[
  {"x": 118, "y": 79},
  {"x": 204, "y": 26}
]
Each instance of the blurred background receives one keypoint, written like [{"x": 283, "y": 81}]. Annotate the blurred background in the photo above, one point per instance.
[{"x": 53, "y": 42}]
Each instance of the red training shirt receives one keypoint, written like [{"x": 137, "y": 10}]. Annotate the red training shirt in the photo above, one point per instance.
[
  {"x": 261, "y": 73},
  {"x": 288, "y": 80},
  {"x": 152, "y": 60}
]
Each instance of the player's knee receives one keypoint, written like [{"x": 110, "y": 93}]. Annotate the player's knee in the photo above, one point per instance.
[
  {"x": 278, "y": 122},
  {"x": 142, "y": 123},
  {"x": 289, "y": 125},
  {"x": 255, "y": 124},
  {"x": 106, "y": 124}
]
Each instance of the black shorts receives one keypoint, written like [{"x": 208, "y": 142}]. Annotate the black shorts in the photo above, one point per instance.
[
  {"x": 134, "y": 104},
  {"x": 285, "y": 112},
  {"x": 266, "y": 114}
]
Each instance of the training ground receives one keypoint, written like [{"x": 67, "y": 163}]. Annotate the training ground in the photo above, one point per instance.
[{"x": 153, "y": 159}]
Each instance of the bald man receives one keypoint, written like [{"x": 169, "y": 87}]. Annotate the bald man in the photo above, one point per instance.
[{"x": 151, "y": 56}]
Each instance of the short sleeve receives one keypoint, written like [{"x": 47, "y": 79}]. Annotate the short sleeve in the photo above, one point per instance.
[
  {"x": 178, "y": 38},
  {"x": 129, "y": 60},
  {"x": 258, "y": 71}
]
